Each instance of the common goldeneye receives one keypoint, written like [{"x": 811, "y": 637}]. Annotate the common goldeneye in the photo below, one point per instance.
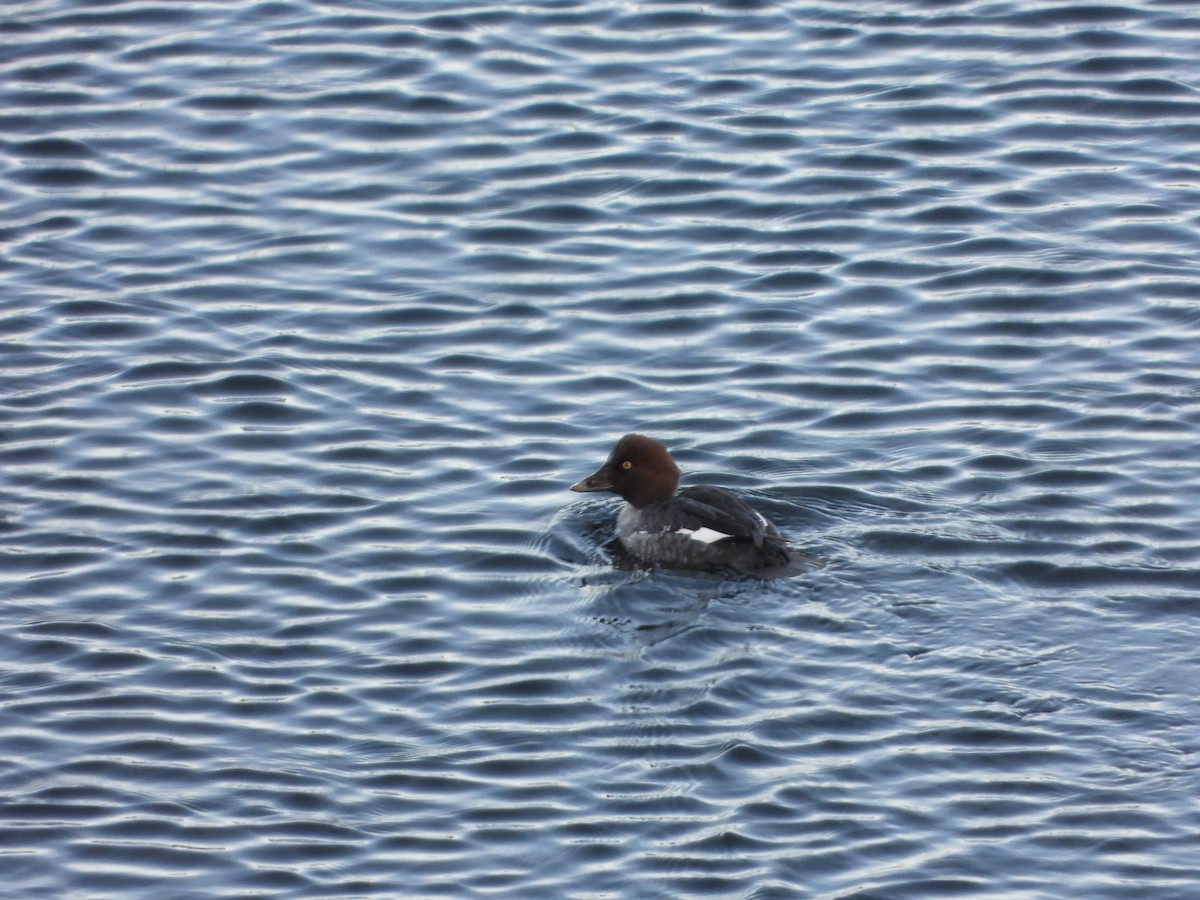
[{"x": 705, "y": 528}]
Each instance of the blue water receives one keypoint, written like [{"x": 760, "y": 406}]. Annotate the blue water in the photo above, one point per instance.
[{"x": 313, "y": 311}]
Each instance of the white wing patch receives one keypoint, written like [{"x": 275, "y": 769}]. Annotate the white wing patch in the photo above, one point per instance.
[{"x": 704, "y": 535}]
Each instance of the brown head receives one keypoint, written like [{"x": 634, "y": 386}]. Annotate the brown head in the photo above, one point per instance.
[{"x": 639, "y": 469}]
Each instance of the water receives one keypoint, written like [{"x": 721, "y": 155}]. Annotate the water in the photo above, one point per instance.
[{"x": 314, "y": 311}]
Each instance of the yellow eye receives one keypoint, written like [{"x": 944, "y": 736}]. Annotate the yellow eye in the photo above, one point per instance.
[{"x": 627, "y": 465}]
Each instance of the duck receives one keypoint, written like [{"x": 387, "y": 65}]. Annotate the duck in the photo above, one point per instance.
[{"x": 701, "y": 528}]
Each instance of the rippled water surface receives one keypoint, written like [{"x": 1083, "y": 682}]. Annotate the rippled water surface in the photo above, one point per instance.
[{"x": 313, "y": 311}]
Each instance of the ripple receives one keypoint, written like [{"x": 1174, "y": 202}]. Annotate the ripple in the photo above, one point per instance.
[{"x": 315, "y": 316}]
